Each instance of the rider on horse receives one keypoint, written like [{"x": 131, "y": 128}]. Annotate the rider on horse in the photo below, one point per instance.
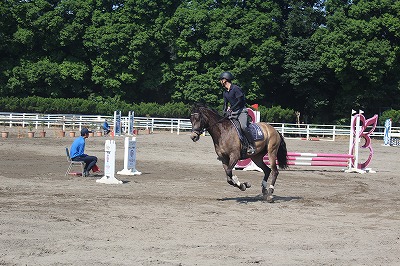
[{"x": 234, "y": 95}]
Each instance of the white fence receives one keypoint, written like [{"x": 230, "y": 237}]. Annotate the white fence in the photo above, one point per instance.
[
  {"x": 76, "y": 122},
  {"x": 328, "y": 132}
]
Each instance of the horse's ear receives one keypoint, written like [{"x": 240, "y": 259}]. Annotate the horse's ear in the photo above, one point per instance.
[{"x": 197, "y": 106}]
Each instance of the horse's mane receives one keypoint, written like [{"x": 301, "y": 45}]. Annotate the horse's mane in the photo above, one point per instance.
[{"x": 198, "y": 107}]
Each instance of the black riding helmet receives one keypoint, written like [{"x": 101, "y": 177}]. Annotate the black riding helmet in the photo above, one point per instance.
[{"x": 226, "y": 75}]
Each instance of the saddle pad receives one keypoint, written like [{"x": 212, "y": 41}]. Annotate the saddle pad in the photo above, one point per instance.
[
  {"x": 254, "y": 128},
  {"x": 256, "y": 131}
]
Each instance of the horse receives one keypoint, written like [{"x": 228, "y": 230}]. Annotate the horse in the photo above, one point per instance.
[{"x": 228, "y": 147}]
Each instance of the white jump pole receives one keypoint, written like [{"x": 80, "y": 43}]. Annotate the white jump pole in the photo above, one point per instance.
[
  {"x": 129, "y": 158},
  {"x": 356, "y": 141},
  {"x": 352, "y": 133},
  {"x": 109, "y": 164},
  {"x": 387, "y": 132},
  {"x": 117, "y": 123},
  {"x": 131, "y": 120}
]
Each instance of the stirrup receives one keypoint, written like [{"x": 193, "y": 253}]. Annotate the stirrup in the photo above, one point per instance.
[{"x": 251, "y": 150}]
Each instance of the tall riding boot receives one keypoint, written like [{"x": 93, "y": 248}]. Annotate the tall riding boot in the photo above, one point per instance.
[{"x": 252, "y": 147}]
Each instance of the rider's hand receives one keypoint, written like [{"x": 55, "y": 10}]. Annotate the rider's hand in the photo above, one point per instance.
[{"x": 228, "y": 112}]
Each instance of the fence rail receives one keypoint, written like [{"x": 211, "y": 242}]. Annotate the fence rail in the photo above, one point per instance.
[{"x": 76, "y": 122}]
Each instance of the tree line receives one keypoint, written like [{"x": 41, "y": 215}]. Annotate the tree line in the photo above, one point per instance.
[{"x": 320, "y": 58}]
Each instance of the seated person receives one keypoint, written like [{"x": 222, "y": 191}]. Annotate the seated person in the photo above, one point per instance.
[
  {"x": 106, "y": 128},
  {"x": 77, "y": 152}
]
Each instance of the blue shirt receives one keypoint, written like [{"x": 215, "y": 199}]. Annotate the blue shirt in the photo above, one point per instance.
[
  {"x": 106, "y": 126},
  {"x": 77, "y": 148}
]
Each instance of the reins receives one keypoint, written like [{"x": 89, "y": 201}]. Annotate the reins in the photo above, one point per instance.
[{"x": 219, "y": 121}]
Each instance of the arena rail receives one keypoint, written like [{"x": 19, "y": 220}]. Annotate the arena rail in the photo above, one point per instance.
[{"x": 75, "y": 122}]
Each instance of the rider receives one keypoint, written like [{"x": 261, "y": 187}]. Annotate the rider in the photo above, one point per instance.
[
  {"x": 106, "y": 127},
  {"x": 234, "y": 95}
]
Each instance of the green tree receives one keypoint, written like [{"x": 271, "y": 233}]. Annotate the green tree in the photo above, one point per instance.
[
  {"x": 360, "y": 43},
  {"x": 322, "y": 58},
  {"x": 126, "y": 55},
  {"x": 210, "y": 37},
  {"x": 309, "y": 85},
  {"x": 7, "y": 57},
  {"x": 47, "y": 62}
]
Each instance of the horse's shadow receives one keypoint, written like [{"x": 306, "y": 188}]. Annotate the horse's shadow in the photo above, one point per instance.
[{"x": 245, "y": 200}]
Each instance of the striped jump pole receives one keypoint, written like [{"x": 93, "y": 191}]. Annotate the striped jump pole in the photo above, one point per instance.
[
  {"x": 359, "y": 128},
  {"x": 317, "y": 159},
  {"x": 316, "y": 155}
]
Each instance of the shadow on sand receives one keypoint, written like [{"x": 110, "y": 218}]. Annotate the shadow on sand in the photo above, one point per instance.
[{"x": 259, "y": 197}]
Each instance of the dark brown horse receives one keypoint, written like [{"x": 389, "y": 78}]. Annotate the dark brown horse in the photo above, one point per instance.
[{"x": 227, "y": 145}]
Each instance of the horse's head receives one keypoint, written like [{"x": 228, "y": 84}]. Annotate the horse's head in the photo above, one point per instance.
[
  {"x": 197, "y": 125},
  {"x": 203, "y": 118},
  {"x": 199, "y": 119}
]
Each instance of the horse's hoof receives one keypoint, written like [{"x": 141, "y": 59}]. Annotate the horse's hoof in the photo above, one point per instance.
[
  {"x": 247, "y": 184},
  {"x": 243, "y": 187},
  {"x": 264, "y": 191},
  {"x": 270, "y": 199}
]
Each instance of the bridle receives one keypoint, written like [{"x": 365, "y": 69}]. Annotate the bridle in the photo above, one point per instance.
[{"x": 198, "y": 131}]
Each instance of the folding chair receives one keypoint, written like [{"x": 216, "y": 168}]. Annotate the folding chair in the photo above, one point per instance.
[{"x": 72, "y": 163}]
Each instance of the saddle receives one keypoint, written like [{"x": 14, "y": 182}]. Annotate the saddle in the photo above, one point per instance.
[{"x": 256, "y": 133}]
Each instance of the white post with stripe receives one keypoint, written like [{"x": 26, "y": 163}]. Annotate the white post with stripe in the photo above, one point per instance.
[
  {"x": 129, "y": 158},
  {"x": 387, "y": 132},
  {"x": 109, "y": 164}
]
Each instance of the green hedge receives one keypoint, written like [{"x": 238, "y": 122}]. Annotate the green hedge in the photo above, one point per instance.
[
  {"x": 392, "y": 114},
  {"x": 98, "y": 105},
  {"x": 94, "y": 105},
  {"x": 276, "y": 114}
]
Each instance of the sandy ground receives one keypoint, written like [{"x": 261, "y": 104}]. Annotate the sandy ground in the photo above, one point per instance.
[{"x": 181, "y": 211}]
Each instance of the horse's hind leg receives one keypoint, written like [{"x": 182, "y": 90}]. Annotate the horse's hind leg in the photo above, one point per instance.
[
  {"x": 267, "y": 191},
  {"x": 274, "y": 174}
]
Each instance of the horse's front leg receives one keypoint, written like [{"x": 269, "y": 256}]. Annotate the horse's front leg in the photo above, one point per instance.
[{"x": 233, "y": 179}]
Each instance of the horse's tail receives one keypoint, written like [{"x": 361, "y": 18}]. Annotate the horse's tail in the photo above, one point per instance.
[{"x": 282, "y": 154}]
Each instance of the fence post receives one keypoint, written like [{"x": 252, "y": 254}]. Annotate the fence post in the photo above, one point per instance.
[
  {"x": 334, "y": 133},
  {"x": 36, "y": 122},
  {"x": 63, "y": 123},
  {"x": 80, "y": 123}
]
